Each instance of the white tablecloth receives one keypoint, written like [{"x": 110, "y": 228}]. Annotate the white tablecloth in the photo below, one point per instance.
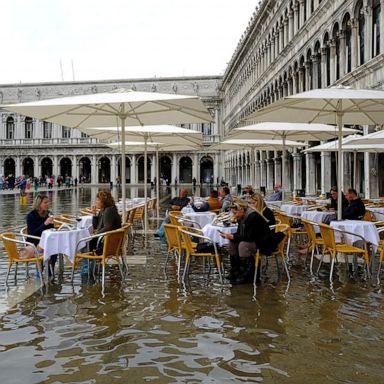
[
  {"x": 294, "y": 209},
  {"x": 212, "y": 231},
  {"x": 86, "y": 222},
  {"x": 318, "y": 217},
  {"x": 377, "y": 211},
  {"x": 365, "y": 229},
  {"x": 55, "y": 242},
  {"x": 202, "y": 218},
  {"x": 273, "y": 203}
]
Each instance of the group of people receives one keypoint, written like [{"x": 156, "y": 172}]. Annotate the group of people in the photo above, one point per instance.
[{"x": 105, "y": 218}]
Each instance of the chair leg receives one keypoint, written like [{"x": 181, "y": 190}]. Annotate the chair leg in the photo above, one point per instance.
[
  {"x": 286, "y": 269},
  {"x": 103, "y": 275},
  {"x": 17, "y": 264},
  {"x": 73, "y": 269},
  {"x": 378, "y": 270},
  {"x": 311, "y": 263},
  {"x": 288, "y": 246},
  {"x": 186, "y": 268},
  {"x": 9, "y": 270},
  {"x": 332, "y": 265},
  {"x": 218, "y": 263},
  {"x": 257, "y": 259}
]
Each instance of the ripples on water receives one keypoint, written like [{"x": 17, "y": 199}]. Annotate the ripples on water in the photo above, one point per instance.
[{"x": 152, "y": 328}]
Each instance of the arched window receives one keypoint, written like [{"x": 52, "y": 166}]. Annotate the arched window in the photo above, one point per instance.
[
  {"x": 28, "y": 132},
  {"x": 66, "y": 132},
  {"x": 10, "y": 134},
  {"x": 376, "y": 14}
]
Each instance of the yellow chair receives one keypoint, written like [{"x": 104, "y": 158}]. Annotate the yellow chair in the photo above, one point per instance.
[
  {"x": 368, "y": 216},
  {"x": 112, "y": 248},
  {"x": 14, "y": 247},
  {"x": 330, "y": 245},
  {"x": 191, "y": 251},
  {"x": 138, "y": 215},
  {"x": 174, "y": 217},
  {"x": 381, "y": 255},
  {"x": 173, "y": 238},
  {"x": 278, "y": 252},
  {"x": 314, "y": 242}
]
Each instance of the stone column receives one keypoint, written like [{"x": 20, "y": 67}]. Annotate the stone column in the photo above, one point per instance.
[
  {"x": 113, "y": 169},
  {"x": 310, "y": 174},
  {"x": 55, "y": 166},
  {"x": 347, "y": 171},
  {"x": 381, "y": 26},
  {"x": 273, "y": 50},
  {"x": 333, "y": 61},
  {"x": 371, "y": 176},
  {"x": 290, "y": 25},
  {"x": 36, "y": 167},
  {"x": 354, "y": 44},
  {"x": 74, "y": 167},
  {"x": 95, "y": 169},
  {"x": 277, "y": 162},
  {"x": 301, "y": 12},
  {"x": 315, "y": 72},
  {"x": 368, "y": 35},
  {"x": 281, "y": 38},
  {"x": 263, "y": 173},
  {"x": 326, "y": 164},
  {"x": 295, "y": 18},
  {"x": 308, "y": 9},
  {"x": 286, "y": 32},
  {"x": 257, "y": 172},
  {"x": 216, "y": 168},
  {"x": 153, "y": 168},
  {"x": 174, "y": 168},
  {"x": 133, "y": 170},
  {"x": 195, "y": 168},
  {"x": 301, "y": 79},
  {"x": 315, "y": 4},
  {"x": 297, "y": 171},
  {"x": 323, "y": 64},
  {"x": 308, "y": 79},
  {"x": 270, "y": 174},
  {"x": 342, "y": 68}
]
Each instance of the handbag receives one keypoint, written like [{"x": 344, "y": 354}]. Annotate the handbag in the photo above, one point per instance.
[{"x": 205, "y": 247}]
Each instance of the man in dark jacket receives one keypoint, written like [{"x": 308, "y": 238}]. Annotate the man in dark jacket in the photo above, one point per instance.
[
  {"x": 334, "y": 195},
  {"x": 253, "y": 233},
  {"x": 356, "y": 208}
]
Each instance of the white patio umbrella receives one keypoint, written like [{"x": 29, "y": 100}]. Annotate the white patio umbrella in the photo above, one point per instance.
[
  {"x": 138, "y": 146},
  {"x": 149, "y": 133},
  {"x": 374, "y": 138},
  {"x": 259, "y": 144},
  {"x": 284, "y": 131},
  {"x": 328, "y": 106},
  {"x": 118, "y": 108}
]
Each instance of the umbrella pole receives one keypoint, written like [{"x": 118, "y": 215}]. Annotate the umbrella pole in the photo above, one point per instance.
[
  {"x": 123, "y": 165},
  {"x": 340, "y": 162},
  {"x": 145, "y": 187},
  {"x": 157, "y": 184},
  {"x": 283, "y": 176}
]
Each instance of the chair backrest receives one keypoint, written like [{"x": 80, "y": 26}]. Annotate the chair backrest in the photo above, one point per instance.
[
  {"x": 187, "y": 241},
  {"x": 368, "y": 216},
  {"x": 283, "y": 218},
  {"x": 9, "y": 245},
  {"x": 282, "y": 228},
  {"x": 138, "y": 213},
  {"x": 152, "y": 203},
  {"x": 126, "y": 227},
  {"x": 310, "y": 231},
  {"x": 328, "y": 236},
  {"x": 173, "y": 217},
  {"x": 172, "y": 236},
  {"x": 113, "y": 241}
]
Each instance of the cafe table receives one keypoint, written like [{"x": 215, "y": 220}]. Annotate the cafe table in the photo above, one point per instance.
[
  {"x": 202, "y": 218},
  {"x": 54, "y": 242},
  {"x": 294, "y": 209},
  {"x": 212, "y": 231},
  {"x": 318, "y": 217}
]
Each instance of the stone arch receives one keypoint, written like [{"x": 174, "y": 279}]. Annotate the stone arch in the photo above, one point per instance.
[
  {"x": 46, "y": 164},
  {"x": 9, "y": 166},
  {"x": 185, "y": 170},
  {"x": 28, "y": 167},
  {"x": 140, "y": 168},
  {"x": 165, "y": 168},
  {"x": 85, "y": 169},
  {"x": 206, "y": 169},
  {"x": 104, "y": 169},
  {"x": 65, "y": 166}
]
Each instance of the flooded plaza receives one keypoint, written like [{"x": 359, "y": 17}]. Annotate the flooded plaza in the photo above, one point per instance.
[{"x": 153, "y": 328}]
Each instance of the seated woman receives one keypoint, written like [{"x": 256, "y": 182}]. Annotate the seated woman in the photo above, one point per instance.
[
  {"x": 38, "y": 220},
  {"x": 257, "y": 202},
  {"x": 105, "y": 217}
]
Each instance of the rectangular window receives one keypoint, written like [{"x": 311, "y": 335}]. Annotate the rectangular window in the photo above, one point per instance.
[
  {"x": 207, "y": 129},
  {"x": 47, "y": 130},
  {"x": 84, "y": 135},
  {"x": 10, "y": 131},
  {"x": 66, "y": 132},
  {"x": 28, "y": 129}
]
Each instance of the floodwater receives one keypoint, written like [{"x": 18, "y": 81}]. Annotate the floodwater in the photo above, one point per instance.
[{"x": 152, "y": 328}]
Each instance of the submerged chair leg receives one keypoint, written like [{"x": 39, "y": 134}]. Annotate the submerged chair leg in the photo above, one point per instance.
[
  {"x": 332, "y": 265},
  {"x": 9, "y": 270},
  {"x": 378, "y": 271}
]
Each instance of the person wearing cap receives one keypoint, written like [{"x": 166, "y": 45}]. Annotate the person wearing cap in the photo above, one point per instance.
[{"x": 253, "y": 233}]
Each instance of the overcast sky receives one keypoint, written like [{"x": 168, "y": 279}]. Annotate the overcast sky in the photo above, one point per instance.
[{"x": 117, "y": 39}]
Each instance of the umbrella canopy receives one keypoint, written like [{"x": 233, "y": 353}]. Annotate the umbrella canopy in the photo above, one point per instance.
[
  {"x": 120, "y": 107},
  {"x": 264, "y": 145},
  {"x": 328, "y": 106},
  {"x": 294, "y": 131},
  {"x": 375, "y": 138},
  {"x": 179, "y": 144}
]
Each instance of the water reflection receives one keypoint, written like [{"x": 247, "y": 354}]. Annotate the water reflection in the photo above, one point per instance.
[{"x": 151, "y": 328}]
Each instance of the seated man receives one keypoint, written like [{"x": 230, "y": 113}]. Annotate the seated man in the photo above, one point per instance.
[
  {"x": 356, "y": 208},
  {"x": 226, "y": 199},
  {"x": 277, "y": 194}
]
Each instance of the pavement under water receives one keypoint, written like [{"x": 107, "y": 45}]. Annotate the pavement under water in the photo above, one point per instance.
[{"x": 153, "y": 328}]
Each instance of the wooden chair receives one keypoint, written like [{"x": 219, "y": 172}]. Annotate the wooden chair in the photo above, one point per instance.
[
  {"x": 279, "y": 252},
  {"x": 330, "y": 245},
  {"x": 13, "y": 247},
  {"x": 381, "y": 254},
  {"x": 112, "y": 248},
  {"x": 314, "y": 242},
  {"x": 173, "y": 238},
  {"x": 368, "y": 216},
  {"x": 191, "y": 251}
]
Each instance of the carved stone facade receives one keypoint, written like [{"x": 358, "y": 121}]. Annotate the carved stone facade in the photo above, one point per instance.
[
  {"x": 38, "y": 148},
  {"x": 292, "y": 46}
]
